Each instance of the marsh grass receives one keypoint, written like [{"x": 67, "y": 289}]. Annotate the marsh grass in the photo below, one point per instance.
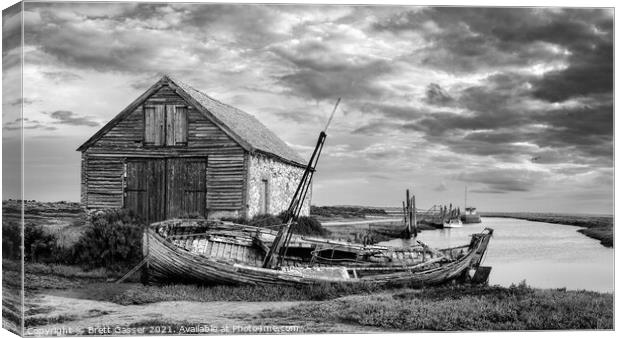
[
  {"x": 605, "y": 234},
  {"x": 150, "y": 294},
  {"x": 457, "y": 309},
  {"x": 47, "y": 320},
  {"x": 69, "y": 271},
  {"x": 38, "y": 310},
  {"x": 40, "y": 276},
  {"x": 303, "y": 225},
  {"x": 345, "y": 211}
]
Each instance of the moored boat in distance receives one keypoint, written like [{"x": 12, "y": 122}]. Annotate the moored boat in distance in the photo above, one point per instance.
[
  {"x": 454, "y": 222},
  {"x": 438, "y": 216},
  {"x": 470, "y": 216}
]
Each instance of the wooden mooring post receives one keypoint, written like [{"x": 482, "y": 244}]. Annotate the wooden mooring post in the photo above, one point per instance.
[
  {"x": 408, "y": 216},
  {"x": 409, "y": 213},
  {"x": 415, "y": 218}
]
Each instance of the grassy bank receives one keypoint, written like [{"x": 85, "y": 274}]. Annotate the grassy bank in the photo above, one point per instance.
[
  {"x": 332, "y": 212},
  {"x": 374, "y": 230},
  {"x": 458, "y": 309},
  {"x": 366, "y": 307},
  {"x": 597, "y": 227},
  {"x": 140, "y": 294}
]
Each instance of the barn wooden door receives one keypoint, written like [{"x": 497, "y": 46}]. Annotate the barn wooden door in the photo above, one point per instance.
[
  {"x": 159, "y": 189},
  {"x": 187, "y": 187},
  {"x": 146, "y": 188}
]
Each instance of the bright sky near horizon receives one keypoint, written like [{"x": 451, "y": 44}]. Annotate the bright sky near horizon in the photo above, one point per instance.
[{"x": 514, "y": 103}]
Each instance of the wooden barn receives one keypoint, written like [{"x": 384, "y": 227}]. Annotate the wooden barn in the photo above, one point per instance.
[{"x": 176, "y": 152}]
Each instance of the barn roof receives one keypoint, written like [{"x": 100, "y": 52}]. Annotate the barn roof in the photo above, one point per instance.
[{"x": 244, "y": 128}]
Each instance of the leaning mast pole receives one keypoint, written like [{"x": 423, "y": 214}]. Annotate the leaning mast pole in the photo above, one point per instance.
[{"x": 278, "y": 248}]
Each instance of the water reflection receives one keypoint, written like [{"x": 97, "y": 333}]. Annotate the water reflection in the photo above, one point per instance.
[{"x": 545, "y": 255}]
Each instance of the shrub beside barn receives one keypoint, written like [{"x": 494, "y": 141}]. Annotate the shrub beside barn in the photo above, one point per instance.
[{"x": 176, "y": 152}]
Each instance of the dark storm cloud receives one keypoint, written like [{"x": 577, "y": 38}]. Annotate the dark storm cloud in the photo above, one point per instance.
[
  {"x": 499, "y": 180},
  {"x": 88, "y": 38},
  {"x": 590, "y": 72},
  {"x": 497, "y": 123},
  {"x": 494, "y": 137},
  {"x": 348, "y": 80},
  {"x": 471, "y": 39},
  {"x": 70, "y": 118},
  {"x": 11, "y": 28},
  {"x": 588, "y": 127},
  {"x": 497, "y": 126},
  {"x": 588, "y": 36},
  {"x": 490, "y": 106},
  {"x": 579, "y": 134},
  {"x": 435, "y": 95},
  {"x": 465, "y": 39},
  {"x": 251, "y": 25},
  {"x": 11, "y": 39},
  {"x": 501, "y": 90},
  {"x": 320, "y": 66},
  {"x": 140, "y": 38},
  {"x": 437, "y": 91}
]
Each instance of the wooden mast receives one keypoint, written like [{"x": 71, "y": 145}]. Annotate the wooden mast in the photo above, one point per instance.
[{"x": 278, "y": 249}]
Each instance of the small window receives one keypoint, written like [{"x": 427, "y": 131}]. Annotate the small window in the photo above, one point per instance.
[{"x": 165, "y": 125}]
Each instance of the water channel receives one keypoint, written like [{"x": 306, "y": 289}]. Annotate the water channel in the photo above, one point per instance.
[{"x": 545, "y": 255}]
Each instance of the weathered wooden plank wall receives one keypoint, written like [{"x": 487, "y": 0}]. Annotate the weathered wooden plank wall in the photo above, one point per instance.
[
  {"x": 226, "y": 160},
  {"x": 104, "y": 177},
  {"x": 83, "y": 180}
]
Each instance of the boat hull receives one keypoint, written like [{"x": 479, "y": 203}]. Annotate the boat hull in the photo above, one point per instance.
[
  {"x": 168, "y": 262},
  {"x": 468, "y": 219},
  {"x": 453, "y": 224}
]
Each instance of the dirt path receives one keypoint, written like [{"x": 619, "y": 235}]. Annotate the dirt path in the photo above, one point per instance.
[{"x": 80, "y": 314}]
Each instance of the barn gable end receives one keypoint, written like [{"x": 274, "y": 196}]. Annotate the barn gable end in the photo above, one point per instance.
[
  {"x": 104, "y": 159},
  {"x": 116, "y": 156}
]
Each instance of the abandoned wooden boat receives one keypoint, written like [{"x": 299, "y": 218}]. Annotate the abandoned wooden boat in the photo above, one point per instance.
[
  {"x": 215, "y": 252},
  {"x": 211, "y": 252}
]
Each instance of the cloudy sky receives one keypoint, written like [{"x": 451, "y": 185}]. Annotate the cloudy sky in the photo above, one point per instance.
[{"x": 514, "y": 103}]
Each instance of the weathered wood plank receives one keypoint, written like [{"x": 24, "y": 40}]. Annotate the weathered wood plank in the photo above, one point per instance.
[{"x": 225, "y": 174}]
